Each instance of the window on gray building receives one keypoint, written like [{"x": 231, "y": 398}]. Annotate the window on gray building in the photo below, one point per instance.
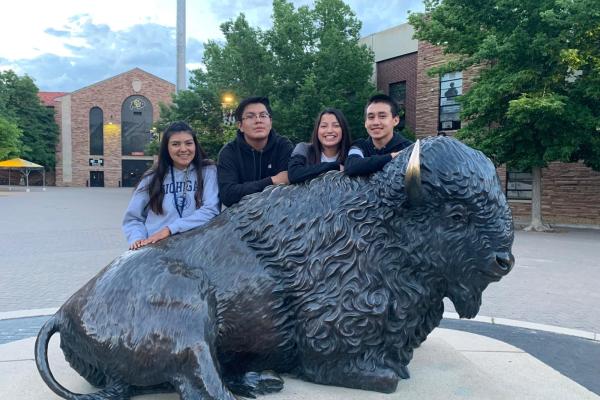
[
  {"x": 136, "y": 122},
  {"x": 397, "y": 91},
  {"x": 518, "y": 185},
  {"x": 96, "y": 132},
  {"x": 450, "y": 89}
]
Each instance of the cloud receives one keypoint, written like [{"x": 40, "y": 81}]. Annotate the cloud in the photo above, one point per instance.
[
  {"x": 78, "y": 17},
  {"x": 194, "y": 51},
  {"x": 58, "y": 33},
  {"x": 6, "y": 64},
  {"x": 395, "y": 12},
  {"x": 259, "y": 12},
  {"x": 229, "y": 9},
  {"x": 81, "y": 51},
  {"x": 98, "y": 53}
]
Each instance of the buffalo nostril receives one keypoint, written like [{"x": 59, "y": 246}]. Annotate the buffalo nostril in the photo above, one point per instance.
[{"x": 505, "y": 261}]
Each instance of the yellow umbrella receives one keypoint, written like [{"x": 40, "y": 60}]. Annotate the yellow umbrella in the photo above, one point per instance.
[{"x": 25, "y": 167}]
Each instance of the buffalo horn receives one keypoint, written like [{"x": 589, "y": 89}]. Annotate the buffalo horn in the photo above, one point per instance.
[{"x": 412, "y": 178}]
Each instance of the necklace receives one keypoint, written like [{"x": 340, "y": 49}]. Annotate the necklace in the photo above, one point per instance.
[{"x": 183, "y": 192}]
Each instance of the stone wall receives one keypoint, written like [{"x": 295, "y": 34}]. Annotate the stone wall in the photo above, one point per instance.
[{"x": 570, "y": 195}]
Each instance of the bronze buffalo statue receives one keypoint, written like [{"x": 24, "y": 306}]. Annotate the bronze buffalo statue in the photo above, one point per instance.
[{"x": 335, "y": 281}]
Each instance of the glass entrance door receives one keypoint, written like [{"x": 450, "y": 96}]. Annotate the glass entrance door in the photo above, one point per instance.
[{"x": 96, "y": 178}]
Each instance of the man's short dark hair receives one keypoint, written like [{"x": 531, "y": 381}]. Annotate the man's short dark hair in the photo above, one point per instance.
[
  {"x": 239, "y": 111},
  {"x": 383, "y": 98}
]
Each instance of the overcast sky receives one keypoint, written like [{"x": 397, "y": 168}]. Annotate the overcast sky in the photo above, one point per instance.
[{"x": 65, "y": 45}]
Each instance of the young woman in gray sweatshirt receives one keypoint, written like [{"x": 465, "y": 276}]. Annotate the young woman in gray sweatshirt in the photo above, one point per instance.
[{"x": 178, "y": 193}]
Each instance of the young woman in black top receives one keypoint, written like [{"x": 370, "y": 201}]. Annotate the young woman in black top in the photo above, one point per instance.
[{"x": 326, "y": 151}]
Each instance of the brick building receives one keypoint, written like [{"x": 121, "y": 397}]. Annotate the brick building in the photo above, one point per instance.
[
  {"x": 105, "y": 127},
  {"x": 570, "y": 192}
]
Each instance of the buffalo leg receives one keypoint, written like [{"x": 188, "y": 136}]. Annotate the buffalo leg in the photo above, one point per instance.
[
  {"x": 344, "y": 371},
  {"x": 203, "y": 382}
]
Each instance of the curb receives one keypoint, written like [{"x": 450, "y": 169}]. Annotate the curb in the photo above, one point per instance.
[
  {"x": 38, "y": 312},
  {"x": 530, "y": 325}
]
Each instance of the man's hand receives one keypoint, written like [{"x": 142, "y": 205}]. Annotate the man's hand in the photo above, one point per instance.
[
  {"x": 160, "y": 235},
  {"x": 342, "y": 167},
  {"x": 281, "y": 178},
  {"x": 394, "y": 154}
]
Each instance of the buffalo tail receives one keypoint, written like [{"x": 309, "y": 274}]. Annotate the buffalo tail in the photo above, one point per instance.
[{"x": 41, "y": 358}]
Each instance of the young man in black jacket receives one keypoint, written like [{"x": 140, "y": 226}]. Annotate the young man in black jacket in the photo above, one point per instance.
[
  {"x": 256, "y": 158},
  {"x": 370, "y": 155}
]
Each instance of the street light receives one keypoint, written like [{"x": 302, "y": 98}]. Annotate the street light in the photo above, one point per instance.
[
  {"x": 227, "y": 103},
  {"x": 227, "y": 98}
]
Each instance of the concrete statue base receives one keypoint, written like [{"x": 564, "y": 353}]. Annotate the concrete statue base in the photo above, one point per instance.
[{"x": 449, "y": 365}]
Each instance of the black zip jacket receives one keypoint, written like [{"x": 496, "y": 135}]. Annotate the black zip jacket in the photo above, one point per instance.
[
  {"x": 364, "y": 158},
  {"x": 243, "y": 170}
]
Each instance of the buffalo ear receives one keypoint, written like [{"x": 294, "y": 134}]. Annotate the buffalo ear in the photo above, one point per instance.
[{"x": 412, "y": 177}]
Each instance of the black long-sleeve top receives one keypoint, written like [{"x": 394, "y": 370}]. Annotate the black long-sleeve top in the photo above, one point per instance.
[
  {"x": 364, "y": 158},
  {"x": 242, "y": 170},
  {"x": 300, "y": 169}
]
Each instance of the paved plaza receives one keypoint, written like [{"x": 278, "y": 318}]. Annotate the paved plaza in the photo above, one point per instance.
[{"x": 54, "y": 241}]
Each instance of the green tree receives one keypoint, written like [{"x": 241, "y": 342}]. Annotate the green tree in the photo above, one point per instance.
[
  {"x": 536, "y": 98},
  {"x": 308, "y": 60},
  {"x": 10, "y": 143},
  {"x": 20, "y": 104},
  {"x": 201, "y": 108},
  {"x": 243, "y": 65}
]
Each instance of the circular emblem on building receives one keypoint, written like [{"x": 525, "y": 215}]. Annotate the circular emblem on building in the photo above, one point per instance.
[{"x": 137, "y": 104}]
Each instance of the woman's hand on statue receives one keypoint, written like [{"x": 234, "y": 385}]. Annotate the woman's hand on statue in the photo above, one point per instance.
[
  {"x": 136, "y": 245},
  {"x": 160, "y": 235}
]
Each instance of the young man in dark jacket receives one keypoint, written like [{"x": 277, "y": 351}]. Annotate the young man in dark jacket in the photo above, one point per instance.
[
  {"x": 383, "y": 144},
  {"x": 256, "y": 158}
]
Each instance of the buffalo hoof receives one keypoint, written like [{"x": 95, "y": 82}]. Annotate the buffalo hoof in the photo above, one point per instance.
[
  {"x": 253, "y": 383},
  {"x": 403, "y": 372},
  {"x": 385, "y": 381}
]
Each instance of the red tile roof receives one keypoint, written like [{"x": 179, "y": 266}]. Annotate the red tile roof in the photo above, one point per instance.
[{"x": 47, "y": 98}]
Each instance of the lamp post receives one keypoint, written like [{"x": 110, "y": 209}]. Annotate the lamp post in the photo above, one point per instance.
[
  {"x": 227, "y": 103},
  {"x": 181, "y": 78}
]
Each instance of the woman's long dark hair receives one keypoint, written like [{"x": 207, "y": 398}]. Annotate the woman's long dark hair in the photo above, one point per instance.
[
  {"x": 314, "y": 156},
  {"x": 164, "y": 163}
]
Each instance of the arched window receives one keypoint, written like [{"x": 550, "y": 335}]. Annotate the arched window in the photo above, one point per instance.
[
  {"x": 136, "y": 121},
  {"x": 96, "y": 132}
]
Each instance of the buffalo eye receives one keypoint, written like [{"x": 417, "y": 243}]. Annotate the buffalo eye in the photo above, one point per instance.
[
  {"x": 457, "y": 217},
  {"x": 457, "y": 213}
]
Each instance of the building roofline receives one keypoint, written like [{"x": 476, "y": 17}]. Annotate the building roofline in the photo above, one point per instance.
[
  {"x": 48, "y": 98},
  {"x": 118, "y": 75},
  {"x": 385, "y": 30}
]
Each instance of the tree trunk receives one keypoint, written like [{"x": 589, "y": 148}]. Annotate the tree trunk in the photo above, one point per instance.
[{"x": 536, "y": 202}]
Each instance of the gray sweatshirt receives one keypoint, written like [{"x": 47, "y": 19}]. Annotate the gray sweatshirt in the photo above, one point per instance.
[{"x": 140, "y": 221}]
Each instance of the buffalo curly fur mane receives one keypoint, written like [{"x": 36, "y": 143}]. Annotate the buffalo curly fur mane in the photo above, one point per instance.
[{"x": 354, "y": 260}]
